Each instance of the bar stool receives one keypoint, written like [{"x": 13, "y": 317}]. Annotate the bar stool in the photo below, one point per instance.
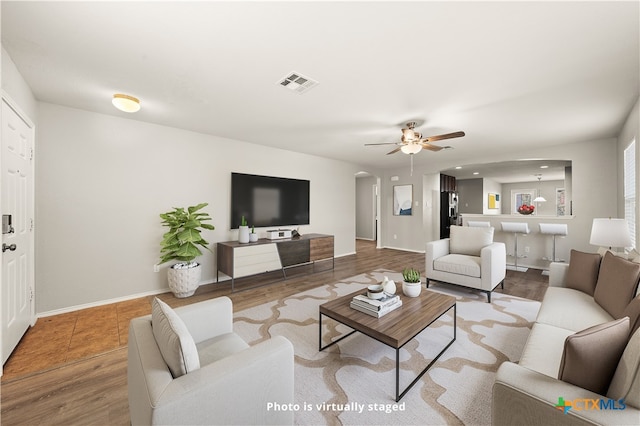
[
  {"x": 554, "y": 229},
  {"x": 478, "y": 224},
  {"x": 516, "y": 228}
]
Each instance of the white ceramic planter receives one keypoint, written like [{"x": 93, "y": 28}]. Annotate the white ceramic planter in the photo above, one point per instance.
[
  {"x": 411, "y": 289},
  {"x": 243, "y": 234},
  {"x": 253, "y": 237},
  {"x": 184, "y": 282}
]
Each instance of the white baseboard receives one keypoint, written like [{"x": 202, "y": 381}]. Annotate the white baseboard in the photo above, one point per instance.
[
  {"x": 100, "y": 303},
  {"x": 404, "y": 249}
]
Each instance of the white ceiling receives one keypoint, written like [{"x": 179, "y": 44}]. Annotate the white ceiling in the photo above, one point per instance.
[{"x": 512, "y": 75}]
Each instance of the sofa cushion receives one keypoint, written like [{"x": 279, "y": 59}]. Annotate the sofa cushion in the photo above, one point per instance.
[
  {"x": 583, "y": 271},
  {"x": 469, "y": 240},
  {"x": 174, "y": 340},
  {"x": 570, "y": 309},
  {"x": 543, "y": 350},
  {"x": 458, "y": 264},
  {"x": 617, "y": 282},
  {"x": 591, "y": 356}
]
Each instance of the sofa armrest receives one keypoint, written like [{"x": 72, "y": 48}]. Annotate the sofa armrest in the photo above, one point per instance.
[
  {"x": 434, "y": 250},
  {"x": 523, "y": 396},
  {"x": 558, "y": 274},
  {"x": 493, "y": 264},
  {"x": 207, "y": 319},
  {"x": 234, "y": 390}
]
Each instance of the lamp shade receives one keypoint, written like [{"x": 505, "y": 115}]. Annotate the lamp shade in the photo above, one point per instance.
[
  {"x": 126, "y": 103},
  {"x": 539, "y": 199},
  {"x": 610, "y": 233}
]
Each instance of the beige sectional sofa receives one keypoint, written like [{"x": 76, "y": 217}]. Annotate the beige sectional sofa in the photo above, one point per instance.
[{"x": 529, "y": 392}]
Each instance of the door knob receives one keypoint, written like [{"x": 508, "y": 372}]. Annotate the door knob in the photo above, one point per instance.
[{"x": 11, "y": 247}]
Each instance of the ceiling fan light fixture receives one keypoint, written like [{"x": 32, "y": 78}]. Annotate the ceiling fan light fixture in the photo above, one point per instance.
[
  {"x": 412, "y": 148},
  {"x": 408, "y": 134},
  {"x": 126, "y": 103}
]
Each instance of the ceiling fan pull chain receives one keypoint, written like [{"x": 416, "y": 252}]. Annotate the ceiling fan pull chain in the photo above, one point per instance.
[{"x": 411, "y": 155}]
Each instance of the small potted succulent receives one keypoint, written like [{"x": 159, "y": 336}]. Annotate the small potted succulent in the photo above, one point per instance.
[
  {"x": 253, "y": 237},
  {"x": 243, "y": 231},
  {"x": 181, "y": 243},
  {"x": 411, "y": 282}
]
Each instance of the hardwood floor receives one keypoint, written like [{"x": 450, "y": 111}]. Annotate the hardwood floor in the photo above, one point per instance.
[{"x": 71, "y": 368}]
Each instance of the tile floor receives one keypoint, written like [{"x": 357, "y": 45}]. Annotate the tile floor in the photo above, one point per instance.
[{"x": 65, "y": 338}]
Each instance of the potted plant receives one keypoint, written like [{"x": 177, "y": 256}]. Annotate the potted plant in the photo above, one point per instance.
[
  {"x": 253, "y": 237},
  {"x": 181, "y": 243},
  {"x": 411, "y": 282},
  {"x": 243, "y": 231}
]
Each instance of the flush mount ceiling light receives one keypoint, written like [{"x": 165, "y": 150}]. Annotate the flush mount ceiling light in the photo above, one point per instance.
[{"x": 126, "y": 103}]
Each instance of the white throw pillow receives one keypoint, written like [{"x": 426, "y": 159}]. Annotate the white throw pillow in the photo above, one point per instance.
[
  {"x": 469, "y": 240},
  {"x": 174, "y": 340}
]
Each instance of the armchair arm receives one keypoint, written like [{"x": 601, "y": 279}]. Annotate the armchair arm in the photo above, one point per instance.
[
  {"x": 434, "y": 250},
  {"x": 234, "y": 390},
  {"x": 207, "y": 319},
  {"x": 558, "y": 274},
  {"x": 493, "y": 264},
  {"x": 523, "y": 396}
]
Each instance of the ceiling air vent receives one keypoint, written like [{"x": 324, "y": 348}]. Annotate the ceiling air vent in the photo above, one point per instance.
[{"x": 297, "y": 82}]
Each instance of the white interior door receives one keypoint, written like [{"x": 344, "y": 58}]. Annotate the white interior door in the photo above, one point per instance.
[{"x": 17, "y": 241}]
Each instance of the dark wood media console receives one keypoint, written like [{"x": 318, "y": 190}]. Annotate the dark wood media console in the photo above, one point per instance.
[{"x": 243, "y": 259}]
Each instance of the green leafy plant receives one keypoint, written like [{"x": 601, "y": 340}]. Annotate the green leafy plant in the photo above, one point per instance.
[
  {"x": 411, "y": 275},
  {"x": 243, "y": 221},
  {"x": 253, "y": 229},
  {"x": 184, "y": 236}
]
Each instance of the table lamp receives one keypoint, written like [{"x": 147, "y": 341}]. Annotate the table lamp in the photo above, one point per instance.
[{"x": 608, "y": 232}]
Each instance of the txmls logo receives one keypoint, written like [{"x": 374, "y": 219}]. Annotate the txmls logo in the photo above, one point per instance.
[{"x": 584, "y": 404}]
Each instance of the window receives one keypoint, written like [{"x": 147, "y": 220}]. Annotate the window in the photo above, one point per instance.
[{"x": 630, "y": 189}]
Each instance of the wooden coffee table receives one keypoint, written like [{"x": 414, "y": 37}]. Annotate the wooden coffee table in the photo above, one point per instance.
[{"x": 394, "y": 329}]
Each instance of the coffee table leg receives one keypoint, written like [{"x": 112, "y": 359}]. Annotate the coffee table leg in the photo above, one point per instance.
[
  {"x": 400, "y": 395},
  {"x": 320, "y": 347}
]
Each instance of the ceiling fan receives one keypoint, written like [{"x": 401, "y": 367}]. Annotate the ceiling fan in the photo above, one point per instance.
[{"x": 412, "y": 141}]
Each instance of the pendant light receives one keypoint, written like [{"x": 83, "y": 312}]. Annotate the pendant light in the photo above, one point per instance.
[{"x": 539, "y": 198}]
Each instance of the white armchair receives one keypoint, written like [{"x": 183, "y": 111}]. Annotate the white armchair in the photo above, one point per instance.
[
  {"x": 226, "y": 381},
  {"x": 468, "y": 258}
]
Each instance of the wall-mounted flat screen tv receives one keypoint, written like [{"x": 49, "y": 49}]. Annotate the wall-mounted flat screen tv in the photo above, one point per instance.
[{"x": 267, "y": 201}]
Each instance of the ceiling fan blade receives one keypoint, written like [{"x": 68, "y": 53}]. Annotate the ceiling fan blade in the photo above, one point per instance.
[
  {"x": 384, "y": 143},
  {"x": 431, "y": 147},
  {"x": 445, "y": 136},
  {"x": 394, "y": 151}
]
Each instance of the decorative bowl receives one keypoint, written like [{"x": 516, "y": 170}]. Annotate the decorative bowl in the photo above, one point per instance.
[
  {"x": 526, "y": 209},
  {"x": 375, "y": 291}
]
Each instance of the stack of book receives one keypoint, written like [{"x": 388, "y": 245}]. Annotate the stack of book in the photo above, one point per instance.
[{"x": 376, "y": 307}]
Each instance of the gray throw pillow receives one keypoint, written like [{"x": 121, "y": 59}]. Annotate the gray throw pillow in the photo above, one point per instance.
[
  {"x": 591, "y": 356},
  {"x": 174, "y": 340},
  {"x": 617, "y": 282},
  {"x": 583, "y": 271}
]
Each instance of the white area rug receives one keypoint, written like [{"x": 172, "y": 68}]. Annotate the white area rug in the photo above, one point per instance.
[{"x": 353, "y": 382}]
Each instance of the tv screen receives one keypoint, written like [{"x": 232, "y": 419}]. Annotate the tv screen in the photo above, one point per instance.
[{"x": 268, "y": 201}]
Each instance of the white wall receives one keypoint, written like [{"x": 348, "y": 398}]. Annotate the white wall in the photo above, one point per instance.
[
  {"x": 593, "y": 187},
  {"x": 17, "y": 88},
  {"x": 101, "y": 182}
]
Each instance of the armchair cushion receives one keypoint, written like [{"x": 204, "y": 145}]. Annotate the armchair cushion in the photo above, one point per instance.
[
  {"x": 617, "y": 283},
  {"x": 583, "y": 271},
  {"x": 469, "y": 240},
  {"x": 176, "y": 345},
  {"x": 458, "y": 264},
  {"x": 591, "y": 356}
]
